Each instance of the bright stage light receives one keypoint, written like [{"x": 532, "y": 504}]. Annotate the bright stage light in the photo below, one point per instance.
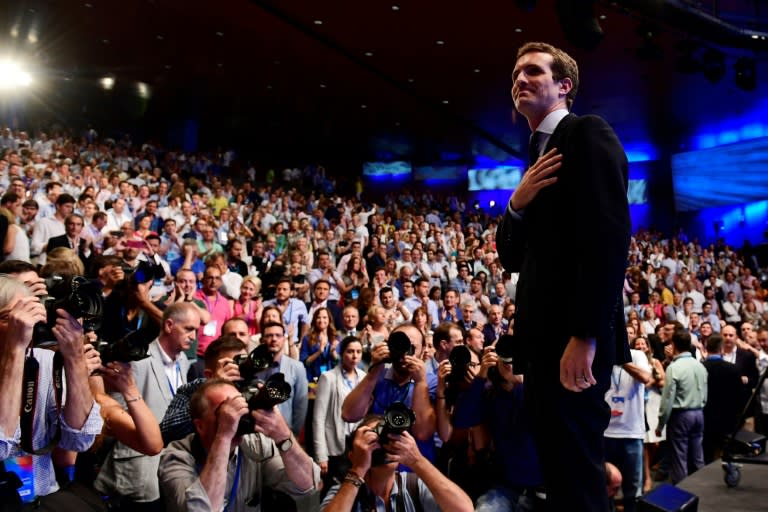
[
  {"x": 107, "y": 83},
  {"x": 12, "y": 75},
  {"x": 143, "y": 90}
]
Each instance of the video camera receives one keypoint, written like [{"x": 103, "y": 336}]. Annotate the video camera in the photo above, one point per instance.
[
  {"x": 398, "y": 418},
  {"x": 76, "y": 295},
  {"x": 273, "y": 392}
]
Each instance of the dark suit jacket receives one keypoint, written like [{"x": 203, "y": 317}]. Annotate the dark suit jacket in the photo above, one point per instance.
[
  {"x": 746, "y": 364},
  {"x": 570, "y": 246},
  {"x": 724, "y": 390},
  {"x": 63, "y": 241}
]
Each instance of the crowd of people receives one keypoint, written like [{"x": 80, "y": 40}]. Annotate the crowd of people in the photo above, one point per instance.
[{"x": 373, "y": 313}]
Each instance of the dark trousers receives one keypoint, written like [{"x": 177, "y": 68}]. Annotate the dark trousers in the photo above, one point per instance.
[
  {"x": 568, "y": 428},
  {"x": 685, "y": 432}
]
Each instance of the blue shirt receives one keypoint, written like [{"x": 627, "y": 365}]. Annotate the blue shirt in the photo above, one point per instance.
[{"x": 387, "y": 392}]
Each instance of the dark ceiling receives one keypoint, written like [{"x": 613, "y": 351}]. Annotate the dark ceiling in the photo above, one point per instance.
[{"x": 422, "y": 79}]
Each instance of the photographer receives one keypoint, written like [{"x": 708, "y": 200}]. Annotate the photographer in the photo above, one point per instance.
[
  {"x": 494, "y": 408},
  {"x": 381, "y": 487},
  {"x": 405, "y": 380},
  {"x": 219, "y": 364},
  {"x": 77, "y": 420},
  {"x": 216, "y": 469}
]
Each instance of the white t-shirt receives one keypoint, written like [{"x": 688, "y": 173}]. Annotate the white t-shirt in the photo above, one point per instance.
[{"x": 626, "y": 398}]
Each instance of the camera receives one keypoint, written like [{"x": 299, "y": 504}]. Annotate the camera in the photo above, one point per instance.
[
  {"x": 144, "y": 272},
  {"x": 76, "y": 295},
  {"x": 274, "y": 392},
  {"x": 460, "y": 358},
  {"x": 398, "y": 418},
  {"x": 399, "y": 345},
  {"x": 260, "y": 358},
  {"x": 134, "y": 346}
]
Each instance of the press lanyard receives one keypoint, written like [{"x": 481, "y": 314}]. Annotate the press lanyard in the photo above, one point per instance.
[
  {"x": 234, "y": 483},
  {"x": 170, "y": 384},
  {"x": 616, "y": 381},
  {"x": 208, "y": 302}
]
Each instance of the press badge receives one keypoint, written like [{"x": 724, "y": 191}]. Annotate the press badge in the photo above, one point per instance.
[
  {"x": 617, "y": 405},
  {"x": 210, "y": 328}
]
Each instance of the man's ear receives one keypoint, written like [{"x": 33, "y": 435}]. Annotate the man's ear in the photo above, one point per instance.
[
  {"x": 566, "y": 84},
  {"x": 207, "y": 373},
  {"x": 198, "y": 423}
]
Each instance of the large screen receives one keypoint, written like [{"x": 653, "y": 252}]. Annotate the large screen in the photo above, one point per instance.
[
  {"x": 637, "y": 191},
  {"x": 386, "y": 168},
  {"x": 498, "y": 178},
  {"x": 732, "y": 174},
  {"x": 438, "y": 172}
]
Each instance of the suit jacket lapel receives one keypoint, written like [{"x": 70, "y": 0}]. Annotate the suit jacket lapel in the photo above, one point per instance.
[{"x": 158, "y": 370}]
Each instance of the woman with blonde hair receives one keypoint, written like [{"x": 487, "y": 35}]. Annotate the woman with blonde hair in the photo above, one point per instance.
[
  {"x": 249, "y": 305},
  {"x": 62, "y": 261}
]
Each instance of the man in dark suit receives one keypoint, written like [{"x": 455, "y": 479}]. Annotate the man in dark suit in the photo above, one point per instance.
[
  {"x": 72, "y": 239},
  {"x": 721, "y": 412},
  {"x": 568, "y": 217},
  {"x": 746, "y": 363}
]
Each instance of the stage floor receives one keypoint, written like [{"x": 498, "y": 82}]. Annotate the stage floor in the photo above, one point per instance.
[{"x": 714, "y": 496}]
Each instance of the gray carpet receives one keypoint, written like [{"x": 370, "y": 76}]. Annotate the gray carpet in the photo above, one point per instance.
[{"x": 714, "y": 496}]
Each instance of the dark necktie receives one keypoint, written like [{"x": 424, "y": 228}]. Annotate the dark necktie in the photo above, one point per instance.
[{"x": 533, "y": 148}]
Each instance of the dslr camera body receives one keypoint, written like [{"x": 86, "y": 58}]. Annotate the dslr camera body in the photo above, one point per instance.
[
  {"x": 398, "y": 418},
  {"x": 399, "y": 345},
  {"x": 78, "y": 296},
  {"x": 272, "y": 392}
]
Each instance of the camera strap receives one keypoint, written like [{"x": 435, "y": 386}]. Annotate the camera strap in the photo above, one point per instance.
[{"x": 29, "y": 401}]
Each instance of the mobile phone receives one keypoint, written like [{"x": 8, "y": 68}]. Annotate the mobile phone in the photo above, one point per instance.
[
  {"x": 135, "y": 244},
  {"x": 116, "y": 233}
]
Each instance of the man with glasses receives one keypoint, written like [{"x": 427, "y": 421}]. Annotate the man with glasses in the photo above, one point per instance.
[
  {"x": 217, "y": 306},
  {"x": 294, "y": 410}
]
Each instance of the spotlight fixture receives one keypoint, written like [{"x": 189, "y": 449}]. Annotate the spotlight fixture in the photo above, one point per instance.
[
  {"x": 476, "y": 205},
  {"x": 714, "y": 65},
  {"x": 746, "y": 73}
]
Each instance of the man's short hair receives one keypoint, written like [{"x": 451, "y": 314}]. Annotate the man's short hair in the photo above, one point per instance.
[
  {"x": 30, "y": 203},
  {"x": 224, "y": 343},
  {"x": 563, "y": 65},
  {"x": 65, "y": 199},
  {"x": 16, "y": 267},
  {"x": 98, "y": 216},
  {"x": 178, "y": 310},
  {"x": 272, "y": 324},
  {"x": 714, "y": 344}
]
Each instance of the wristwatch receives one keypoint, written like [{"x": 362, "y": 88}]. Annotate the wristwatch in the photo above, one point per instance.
[{"x": 286, "y": 445}]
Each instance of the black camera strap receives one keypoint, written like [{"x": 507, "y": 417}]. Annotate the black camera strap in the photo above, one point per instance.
[{"x": 29, "y": 401}]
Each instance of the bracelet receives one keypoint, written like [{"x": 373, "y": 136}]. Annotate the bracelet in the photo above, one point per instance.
[
  {"x": 131, "y": 400},
  {"x": 352, "y": 478}
]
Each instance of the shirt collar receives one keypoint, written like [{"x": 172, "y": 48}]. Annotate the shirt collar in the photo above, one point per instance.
[
  {"x": 167, "y": 361},
  {"x": 550, "y": 122}
]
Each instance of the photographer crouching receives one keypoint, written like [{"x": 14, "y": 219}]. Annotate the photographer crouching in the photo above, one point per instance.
[
  {"x": 373, "y": 482},
  {"x": 35, "y": 417},
  {"x": 222, "y": 467}
]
